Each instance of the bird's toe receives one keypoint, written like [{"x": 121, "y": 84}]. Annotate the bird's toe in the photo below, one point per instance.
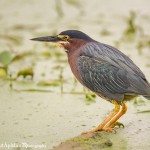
[
  {"x": 118, "y": 124},
  {"x": 109, "y": 129}
]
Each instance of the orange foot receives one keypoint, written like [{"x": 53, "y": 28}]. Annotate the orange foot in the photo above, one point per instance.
[
  {"x": 111, "y": 121},
  {"x": 91, "y": 131},
  {"x": 108, "y": 129},
  {"x": 112, "y": 127}
]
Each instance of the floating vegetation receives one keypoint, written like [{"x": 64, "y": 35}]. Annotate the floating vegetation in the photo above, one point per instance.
[
  {"x": 22, "y": 55},
  {"x": 90, "y": 96},
  {"x": 76, "y": 93},
  {"x": 15, "y": 39},
  {"x": 148, "y": 65},
  {"x": 138, "y": 101},
  {"x": 32, "y": 90},
  {"x": 144, "y": 111},
  {"x": 25, "y": 27},
  {"x": 131, "y": 29},
  {"x": 105, "y": 32},
  {"x": 3, "y": 73},
  {"x": 57, "y": 67},
  {"x": 50, "y": 46},
  {"x": 26, "y": 72},
  {"x": 5, "y": 58},
  {"x": 143, "y": 43},
  {"x": 58, "y": 8},
  {"x": 58, "y": 54},
  {"x": 10, "y": 82},
  {"x": 75, "y": 3},
  {"x": 46, "y": 54},
  {"x": 134, "y": 33},
  {"x": 74, "y": 84},
  {"x": 61, "y": 79},
  {"x": 49, "y": 83}
]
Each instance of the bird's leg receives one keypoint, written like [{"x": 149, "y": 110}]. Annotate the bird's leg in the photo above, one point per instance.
[
  {"x": 111, "y": 124},
  {"x": 100, "y": 127}
]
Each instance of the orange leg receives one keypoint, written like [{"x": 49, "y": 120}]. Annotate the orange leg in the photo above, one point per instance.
[
  {"x": 109, "y": 126},
  {"x": 102, "y": 125}
]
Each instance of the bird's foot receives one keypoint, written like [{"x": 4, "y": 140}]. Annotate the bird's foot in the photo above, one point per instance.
[
  {"x": 117, "y": 124},
  {"x": 86, "y": 132},
  {"x": 108, "y": 129},
  {"x": 112, "y": 127},
  {"x": 91, "y": 131}
]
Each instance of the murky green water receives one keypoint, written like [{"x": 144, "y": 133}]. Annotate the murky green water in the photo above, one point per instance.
[{"x": 34, "y": 109}]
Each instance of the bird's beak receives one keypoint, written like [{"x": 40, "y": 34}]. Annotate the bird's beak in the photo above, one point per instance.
[{"x": 47, "y": 39}]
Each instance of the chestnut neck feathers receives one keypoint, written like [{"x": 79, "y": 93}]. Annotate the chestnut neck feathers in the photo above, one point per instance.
[{"x": 73, "y": 44}]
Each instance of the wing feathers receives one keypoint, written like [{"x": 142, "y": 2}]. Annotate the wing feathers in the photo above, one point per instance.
[{"x": 108, "y": 80}]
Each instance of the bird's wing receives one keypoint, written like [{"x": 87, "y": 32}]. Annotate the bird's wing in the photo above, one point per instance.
[
  {"x": 102, "y": 77},
  {"x": 106, "y": 79},
  {"x": 112, "y": 55},
  {"x": 125, "y": 61}
]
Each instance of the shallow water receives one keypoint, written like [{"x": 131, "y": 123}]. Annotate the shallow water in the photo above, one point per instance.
[{"x": 38, "y": 115}]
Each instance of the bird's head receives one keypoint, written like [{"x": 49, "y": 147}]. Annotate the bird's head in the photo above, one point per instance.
[{"x": 69, "y": 39}]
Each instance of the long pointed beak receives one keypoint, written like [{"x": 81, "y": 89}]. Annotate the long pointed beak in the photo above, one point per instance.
[{"x": 47, "y": 39}]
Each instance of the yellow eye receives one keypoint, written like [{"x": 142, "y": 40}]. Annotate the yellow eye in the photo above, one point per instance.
[{"x": 64, "y": 37}]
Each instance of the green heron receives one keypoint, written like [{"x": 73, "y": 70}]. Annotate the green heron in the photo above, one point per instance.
[{"x": 104, "y": 70}]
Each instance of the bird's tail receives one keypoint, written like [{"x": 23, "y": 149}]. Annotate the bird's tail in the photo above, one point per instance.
[{"x": 148, "y": 93}]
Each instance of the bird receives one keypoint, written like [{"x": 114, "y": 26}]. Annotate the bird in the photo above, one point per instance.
[{"x": 104, "y": 70}]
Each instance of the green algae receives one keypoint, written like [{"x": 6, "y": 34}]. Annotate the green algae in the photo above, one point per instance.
[
  {"x": 144, "y": 111},
  {"x": 26, "y": 72},
  {"x": 89, "y": 96},
  {"x": 3, "y": 73},
  {"x": 99, "y": 140},
  {"x": 105, "y": 32},
  {"x": 131, "y": 27},
  {"x": 75, "y": 3},
  {"x": 49, "y": 83}
]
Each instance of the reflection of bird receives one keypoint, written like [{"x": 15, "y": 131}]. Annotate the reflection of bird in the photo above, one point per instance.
[{"x": 104, "y": 70}]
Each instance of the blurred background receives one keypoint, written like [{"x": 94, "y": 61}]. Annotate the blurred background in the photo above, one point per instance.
[{"x": 41, "y": 102}]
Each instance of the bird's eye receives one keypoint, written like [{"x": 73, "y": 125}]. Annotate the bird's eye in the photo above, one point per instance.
[{"x": 65, "y": 37}]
